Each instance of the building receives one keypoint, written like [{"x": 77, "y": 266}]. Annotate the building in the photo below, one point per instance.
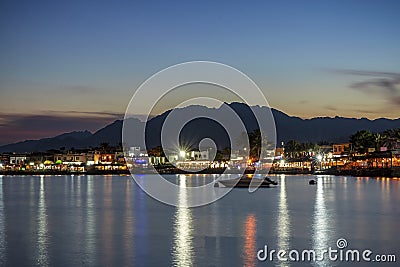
[
  {"x": 38, "y": 158},
  {"x": 104, "y": 158},
  {"x": 341, "y": 149},
  {"x": 279, "y": 152},
  {"x": 5, "y": 158},
  {"x": 134, "y": 151},
  {"x": 71, "y": 158},
  {"x": 199, "y": 155},
  {"x": 18, "y": 159},
  {"x": 157, "y": 160}
]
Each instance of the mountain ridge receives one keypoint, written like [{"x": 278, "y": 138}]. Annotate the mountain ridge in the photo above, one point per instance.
[{"x": 328, "y": 129}]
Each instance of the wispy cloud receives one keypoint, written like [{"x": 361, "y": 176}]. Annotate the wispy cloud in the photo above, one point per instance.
[
  {"x": 363, "y": 111},
  {"x": 87, "y": 113},
  {"x": 331, "y": 108},
  {"x": 382, "y": 83},
  {"x": 304, "y": 102},
  {"x": 19, "y": 127}
]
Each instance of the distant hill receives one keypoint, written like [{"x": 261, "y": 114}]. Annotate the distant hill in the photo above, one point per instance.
[
  {"x": 337, "y": 129},
  {"x": 67, "y": 140}
]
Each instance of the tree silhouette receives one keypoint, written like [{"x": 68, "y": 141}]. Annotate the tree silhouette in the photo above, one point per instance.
[
  {"x": 362, "y": 140},
  {"x": 392, "y": 138}
]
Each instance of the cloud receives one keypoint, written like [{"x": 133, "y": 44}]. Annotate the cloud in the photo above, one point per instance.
[
  {"x": 333, "y": 108},
  {"x": 364, "y": 111},
  {"x": 20, "y": 127},
  {"x": 87, "y": 113},
  {"x": 304, "y": 102},
  {"x": 365, "y": 73},
  {"x": 384, "y": 83},
  {"x": 329, "y": 107}
]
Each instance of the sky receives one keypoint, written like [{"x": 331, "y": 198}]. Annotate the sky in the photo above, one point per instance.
[{"x": 74, "y": 65}]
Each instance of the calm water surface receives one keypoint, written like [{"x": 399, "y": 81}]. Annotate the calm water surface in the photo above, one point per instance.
[{"x": 109, "y": 221}]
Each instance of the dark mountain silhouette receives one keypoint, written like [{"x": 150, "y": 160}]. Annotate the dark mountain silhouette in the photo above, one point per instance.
[
  {"x": 67, "y": 140},
  {"x": 337, "y": 129}
]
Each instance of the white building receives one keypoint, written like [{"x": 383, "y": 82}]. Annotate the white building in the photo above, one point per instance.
[
  {"x": 134, "y": 151},
  {"x": 199, "y": 155},
  {"x": 17, "y": 159}
]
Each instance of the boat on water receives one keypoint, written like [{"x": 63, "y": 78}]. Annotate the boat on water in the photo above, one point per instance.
[
  {"x": 244, "y": 182},
  {"x": 312, "y": 182}
]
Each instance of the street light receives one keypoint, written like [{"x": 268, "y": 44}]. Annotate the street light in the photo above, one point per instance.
[{"x": 182, "y": 154}]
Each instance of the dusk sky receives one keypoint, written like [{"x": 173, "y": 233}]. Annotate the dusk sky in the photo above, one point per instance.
[{"x": 74, "y": 65}]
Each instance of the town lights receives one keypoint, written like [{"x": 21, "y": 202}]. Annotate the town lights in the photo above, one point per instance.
[
  {"x": 319, "y": 157},
  {"x": 182, "y": 153}
]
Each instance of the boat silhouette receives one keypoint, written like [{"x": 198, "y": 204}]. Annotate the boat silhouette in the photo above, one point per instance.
[{"x": 244, "y": 182}]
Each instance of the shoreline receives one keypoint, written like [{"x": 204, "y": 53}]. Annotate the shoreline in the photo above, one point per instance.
[{"x": 389, "y": 173}]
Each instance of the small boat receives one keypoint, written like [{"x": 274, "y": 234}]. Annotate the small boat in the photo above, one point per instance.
[
  {"x": 244, "y": 182},
  {"x": 312, "y": 182}
]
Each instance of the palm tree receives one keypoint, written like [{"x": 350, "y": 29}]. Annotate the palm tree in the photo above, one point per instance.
[
  {"x": 292, "y": 149},
  {"x": 242, "y": 140},
  {"x": 362, "y": 140},
  {"x": 156, "y": 152},
  {"x": 392, "y": 138},
  {"x": 105, "y": 147},
  {"x": 378, "y": 139},
  {"x": 258, "y": 144}
]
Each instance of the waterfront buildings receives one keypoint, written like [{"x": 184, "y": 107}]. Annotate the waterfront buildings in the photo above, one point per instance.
[
  {"x": 338, "y": 157},
  {"x": 341, "y": 149}
]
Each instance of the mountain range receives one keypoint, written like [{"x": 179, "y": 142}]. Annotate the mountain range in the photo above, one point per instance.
[{"x": 327, "y": 129}]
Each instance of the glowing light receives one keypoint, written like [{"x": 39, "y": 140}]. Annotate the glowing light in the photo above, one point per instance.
[
  {"x": 182, "y": 153},
  {"x": 319, "y": 157}
]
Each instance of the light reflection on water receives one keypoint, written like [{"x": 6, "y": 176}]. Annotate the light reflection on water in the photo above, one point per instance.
[
  {"x": 283, "y": 223},
  {"x": 250, "y": 234},
  {"x": 182, "y": 250},
  {"x": 128, "y": 225},
  {"x": 91, "y": 223},
  {"x": 109, "y": 220},
  {"x": 323, "y": 224},
  {"x": 42, "y": 235},
  {"x": 2, "y": 226}
]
